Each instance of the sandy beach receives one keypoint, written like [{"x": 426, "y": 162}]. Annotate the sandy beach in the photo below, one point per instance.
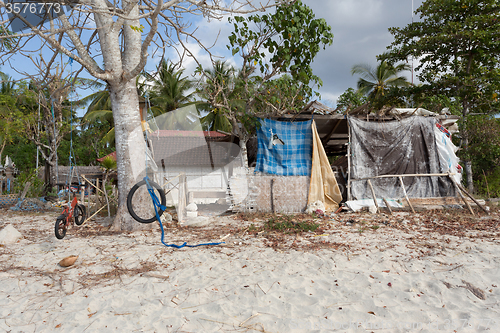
[{"x": 436, "y": 271}]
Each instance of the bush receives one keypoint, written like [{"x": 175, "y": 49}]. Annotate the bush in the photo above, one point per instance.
[
  {"x": 489, "y": 186},
  {"x": 36, "y": 187}
]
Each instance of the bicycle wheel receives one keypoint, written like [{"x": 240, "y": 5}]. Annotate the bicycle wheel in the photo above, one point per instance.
[
  {"x": 79, "y": 214},
  {"x": 139, "y": 202},
  {"x": 60, "y": 228}
]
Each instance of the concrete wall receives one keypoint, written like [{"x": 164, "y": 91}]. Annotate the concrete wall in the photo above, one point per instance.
[
  {"x": 269, "y": 193},
  {"x": 198, "y": 179}
]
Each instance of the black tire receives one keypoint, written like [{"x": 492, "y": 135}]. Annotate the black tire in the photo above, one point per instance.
[
  {"x": 79, "y": 214},
  {"x": 146, "y": 213},
  {"x": 60, "y": 228}
]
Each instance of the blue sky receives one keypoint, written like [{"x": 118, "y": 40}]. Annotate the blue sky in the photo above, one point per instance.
[{"x": 360, "y": 29}]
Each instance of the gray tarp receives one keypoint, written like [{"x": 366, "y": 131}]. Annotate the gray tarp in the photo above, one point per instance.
[{"x": 396, "y": 147}]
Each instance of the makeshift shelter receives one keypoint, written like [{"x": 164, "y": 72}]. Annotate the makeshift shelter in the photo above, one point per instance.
[
  {"x": 292, "y": 169},
  {"x": 403, "y": 147},
  {"x": 394, "y": 148},
  {"x": 207, "y": 158}
]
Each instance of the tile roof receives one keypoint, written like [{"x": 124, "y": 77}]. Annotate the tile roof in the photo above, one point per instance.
[
  {"x": 190, "y": 148},
  {"x": 192, "y": 151}
]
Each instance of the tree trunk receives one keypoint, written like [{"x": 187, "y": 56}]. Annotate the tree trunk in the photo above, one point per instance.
[
  {"x": 130, "y": 150},
  {"x": 47, "y": 179},
  {"x": 1, "y": 151},
  {"x": 244, "y": 152},
  {"x": 465, "y": 134},
  {"x": 470, "y": 182}
]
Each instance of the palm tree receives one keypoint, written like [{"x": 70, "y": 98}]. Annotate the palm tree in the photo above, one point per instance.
[
  {"x": 99, "y": 113},
  {"x": 169, "y": 90},
  {"x": 375, "y": 82},
  {"x": 220, "y": 83}
]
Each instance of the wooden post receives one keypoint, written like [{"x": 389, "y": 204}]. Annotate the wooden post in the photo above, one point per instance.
[
  {"x": 348, "y": 160},
  {"x": 406, "y": 195},
  {"x": 82, "y": 193},
  {"x": 25, "y": 190},
  {"x": 387, "y": 205},
  {"x": 98, "y": 201},
  {"x": 373, "y": 194},
  {"x": 460, "y": 193},
  {"x": 473, "y": 199},
  {"x": 272, "y": 197},
  {"x": 181, "y": 205}
]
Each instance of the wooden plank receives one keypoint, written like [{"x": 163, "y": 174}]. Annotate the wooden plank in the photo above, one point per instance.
[
  {"x": 329, "y": 135},
  {"x": 308, "y": 116},
  {"x": 207, "y": 194},
  {"x": 442, "y": 201},
  {"x": 336, "y": 142}
]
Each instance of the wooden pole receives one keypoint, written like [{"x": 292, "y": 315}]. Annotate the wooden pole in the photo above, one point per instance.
[
  {"x": 181, "y": 205},
  {"x": 407, "y": 175},
  {"x": 272, "y": 198},
  {"x": 82, "y": 193},
  {"x": 461, "y": 195},
  {"x": 387, "y": 205},
  {"x": 473, "y": 199},
  {"x": 406, "y": 195},
  {"x": 348, "y": 161},
  {"x": 373, "y": 194},
  {"x": 25, "y": 190}
]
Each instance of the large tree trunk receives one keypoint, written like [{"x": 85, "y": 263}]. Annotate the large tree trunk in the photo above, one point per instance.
[{"x": 130, "y": 151}]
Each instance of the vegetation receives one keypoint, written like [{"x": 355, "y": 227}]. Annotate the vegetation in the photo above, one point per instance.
[
  {"x": 350, "y": 99},
  {"x": 376, "y": 82},
  {"x": 291, "y": 37},
  {"x": 456, "y": 43},
  {"x": 287, "y": 224}
]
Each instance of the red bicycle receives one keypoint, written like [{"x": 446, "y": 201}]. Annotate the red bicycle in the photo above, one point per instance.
[{"x": 72, "y": 210}]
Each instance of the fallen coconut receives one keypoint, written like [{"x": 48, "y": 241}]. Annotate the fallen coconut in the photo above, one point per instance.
[{"x": 68, "y": 261}]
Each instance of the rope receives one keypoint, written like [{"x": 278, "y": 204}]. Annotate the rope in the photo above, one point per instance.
[
  {"x": 71, "y": 150},
  {"x": 156, "y": 201},
  {"x": 54, "y": 123}
]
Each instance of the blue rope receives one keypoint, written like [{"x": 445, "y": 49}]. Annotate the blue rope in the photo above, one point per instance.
[{"x": 156, "y": 203}]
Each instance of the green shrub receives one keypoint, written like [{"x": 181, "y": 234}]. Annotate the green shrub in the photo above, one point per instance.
[
  {"x": 489, "y": 186},
  {"x": 36, "y": 187},
  {"x": 286, "y": 223}
]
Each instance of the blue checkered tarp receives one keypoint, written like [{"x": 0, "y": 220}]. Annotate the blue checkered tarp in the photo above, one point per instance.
[{"x": 294, "y": 158}]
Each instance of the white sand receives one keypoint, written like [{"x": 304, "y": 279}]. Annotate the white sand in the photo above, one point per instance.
[{"x": 248, "y": 287}]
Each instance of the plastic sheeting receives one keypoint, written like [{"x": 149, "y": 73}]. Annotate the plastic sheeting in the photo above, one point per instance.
[
  {"x": 394, "y": 148},
  {"x": 284, "y": 148},
  {"x": 323, "y": 186},
  {"x": 446, "y": 153}
]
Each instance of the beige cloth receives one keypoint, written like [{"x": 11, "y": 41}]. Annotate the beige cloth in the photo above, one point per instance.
[{"x": 323, "y": 186}]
